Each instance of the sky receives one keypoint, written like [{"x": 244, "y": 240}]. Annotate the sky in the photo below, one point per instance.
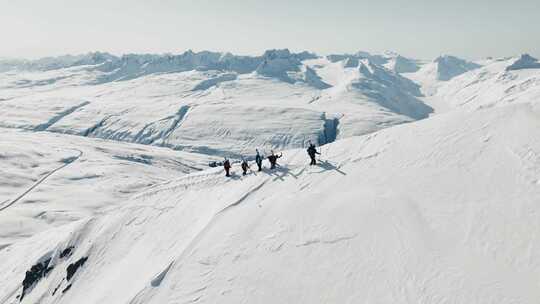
[{"x": 416, "y": 28}]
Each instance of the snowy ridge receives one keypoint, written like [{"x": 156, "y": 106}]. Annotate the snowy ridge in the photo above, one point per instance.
[
  {"x": 446, "y": 67},
  {"x": 426, "y": 189},
  {"x": 374, "y": 84},
  {"x": 150, "y": 99},
  {"x": 37, "y": 167},
  {"x": 391, "y": 90},
  {"x": 524, "y": 62},
  {"x": 206, "y": 238},
  {"x": 400, "y": 64},
  {"x": 272, "y": 63},
  {"x": 497, "y": 83},
  {"x": 390, "y": 60}
]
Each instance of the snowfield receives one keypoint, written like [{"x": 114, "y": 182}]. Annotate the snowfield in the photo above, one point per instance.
[
  {"x": 427, "y": 188},
  {"x": 88, "y": 176},
  {"x": 154, "y": 106}
]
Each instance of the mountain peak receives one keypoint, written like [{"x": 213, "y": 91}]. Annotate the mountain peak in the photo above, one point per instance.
[
  {"x": 526, "y": 61},
  {"x": 448, "y": 67}
]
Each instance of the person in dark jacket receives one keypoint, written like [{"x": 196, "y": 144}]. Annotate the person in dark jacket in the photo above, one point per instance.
[
  {"x": 227, "y": 167},
  {"x": 312, "y": 151},
  {"x": 258, "y": 160},
  {"x": 245, "y": 166},
  {"x": 273, "y": 159}
]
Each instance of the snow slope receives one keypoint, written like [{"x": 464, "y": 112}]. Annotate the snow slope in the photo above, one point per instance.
[
  {"x": 524, "y": 62},
  {"x": 49, "y": 180},
  {"x": 443, "y": 209},
  {"x": 437, "y": 72},
  {"x": 401, "y": 64},
  {"x": 498, "y": 82},
  {"x": 206, "y": 102},
  {"x": 447, "y": 67},
  {"x": 411, "y": 214}
]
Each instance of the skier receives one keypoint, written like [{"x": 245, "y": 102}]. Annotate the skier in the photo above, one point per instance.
[
  {"x": 312, "y": 151},
  {"x": 245, "y": 166},
  {"x": 258, "y": 159},
  {"x": 273, "y": 159},
  {"x": 227, "y": 167}
]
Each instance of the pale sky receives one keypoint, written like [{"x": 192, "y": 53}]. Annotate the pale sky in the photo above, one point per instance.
[{"x": 417, "y": 28}]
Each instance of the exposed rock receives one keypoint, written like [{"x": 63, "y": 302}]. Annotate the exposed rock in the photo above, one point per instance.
[
  {"x": 34, "y": 275},
  {"x": 67, "y": 252},
  {"x": 72, "y": 268}
]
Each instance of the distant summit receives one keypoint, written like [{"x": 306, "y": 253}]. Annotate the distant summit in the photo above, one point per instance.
[
  {"x": 400, "y": 64},
  {"x": 526, "y": 61},
  {"x": 448, "y": 67},
  {"x": 390, "y": 60},
  {"x": 276, "y": 63},
  {"x": 273, "y": 63}
]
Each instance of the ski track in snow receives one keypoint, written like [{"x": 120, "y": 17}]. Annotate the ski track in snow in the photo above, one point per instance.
[{"x": 67, "y": 162}]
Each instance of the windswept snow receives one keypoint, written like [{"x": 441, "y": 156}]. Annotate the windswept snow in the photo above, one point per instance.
[
  {"x": 488, "y": 86},
  {"x": 50, "y": 179},
  {"x": 440, "y": 70},
  {"x": 400, "y": 214},
  {"x": 426, "y": 189}
]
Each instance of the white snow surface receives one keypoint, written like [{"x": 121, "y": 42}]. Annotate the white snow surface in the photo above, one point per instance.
[
  {"x": 401, "y": 208},
  {"x": 493, "y": 84},
  {"x": 88, "y": 176},
  {"x": 149, "y": 99}
]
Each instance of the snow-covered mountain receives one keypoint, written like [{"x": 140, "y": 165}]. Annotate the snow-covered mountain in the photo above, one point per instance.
[
  {"x": 442, "y": 68},
  {"x": 526, "y": 61},
  {"x": 153, "y": 99},
  {"x": 95, "y": 175},
  {"x": 497, "y": 82},
  {"x": 426, "y": 190}
]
